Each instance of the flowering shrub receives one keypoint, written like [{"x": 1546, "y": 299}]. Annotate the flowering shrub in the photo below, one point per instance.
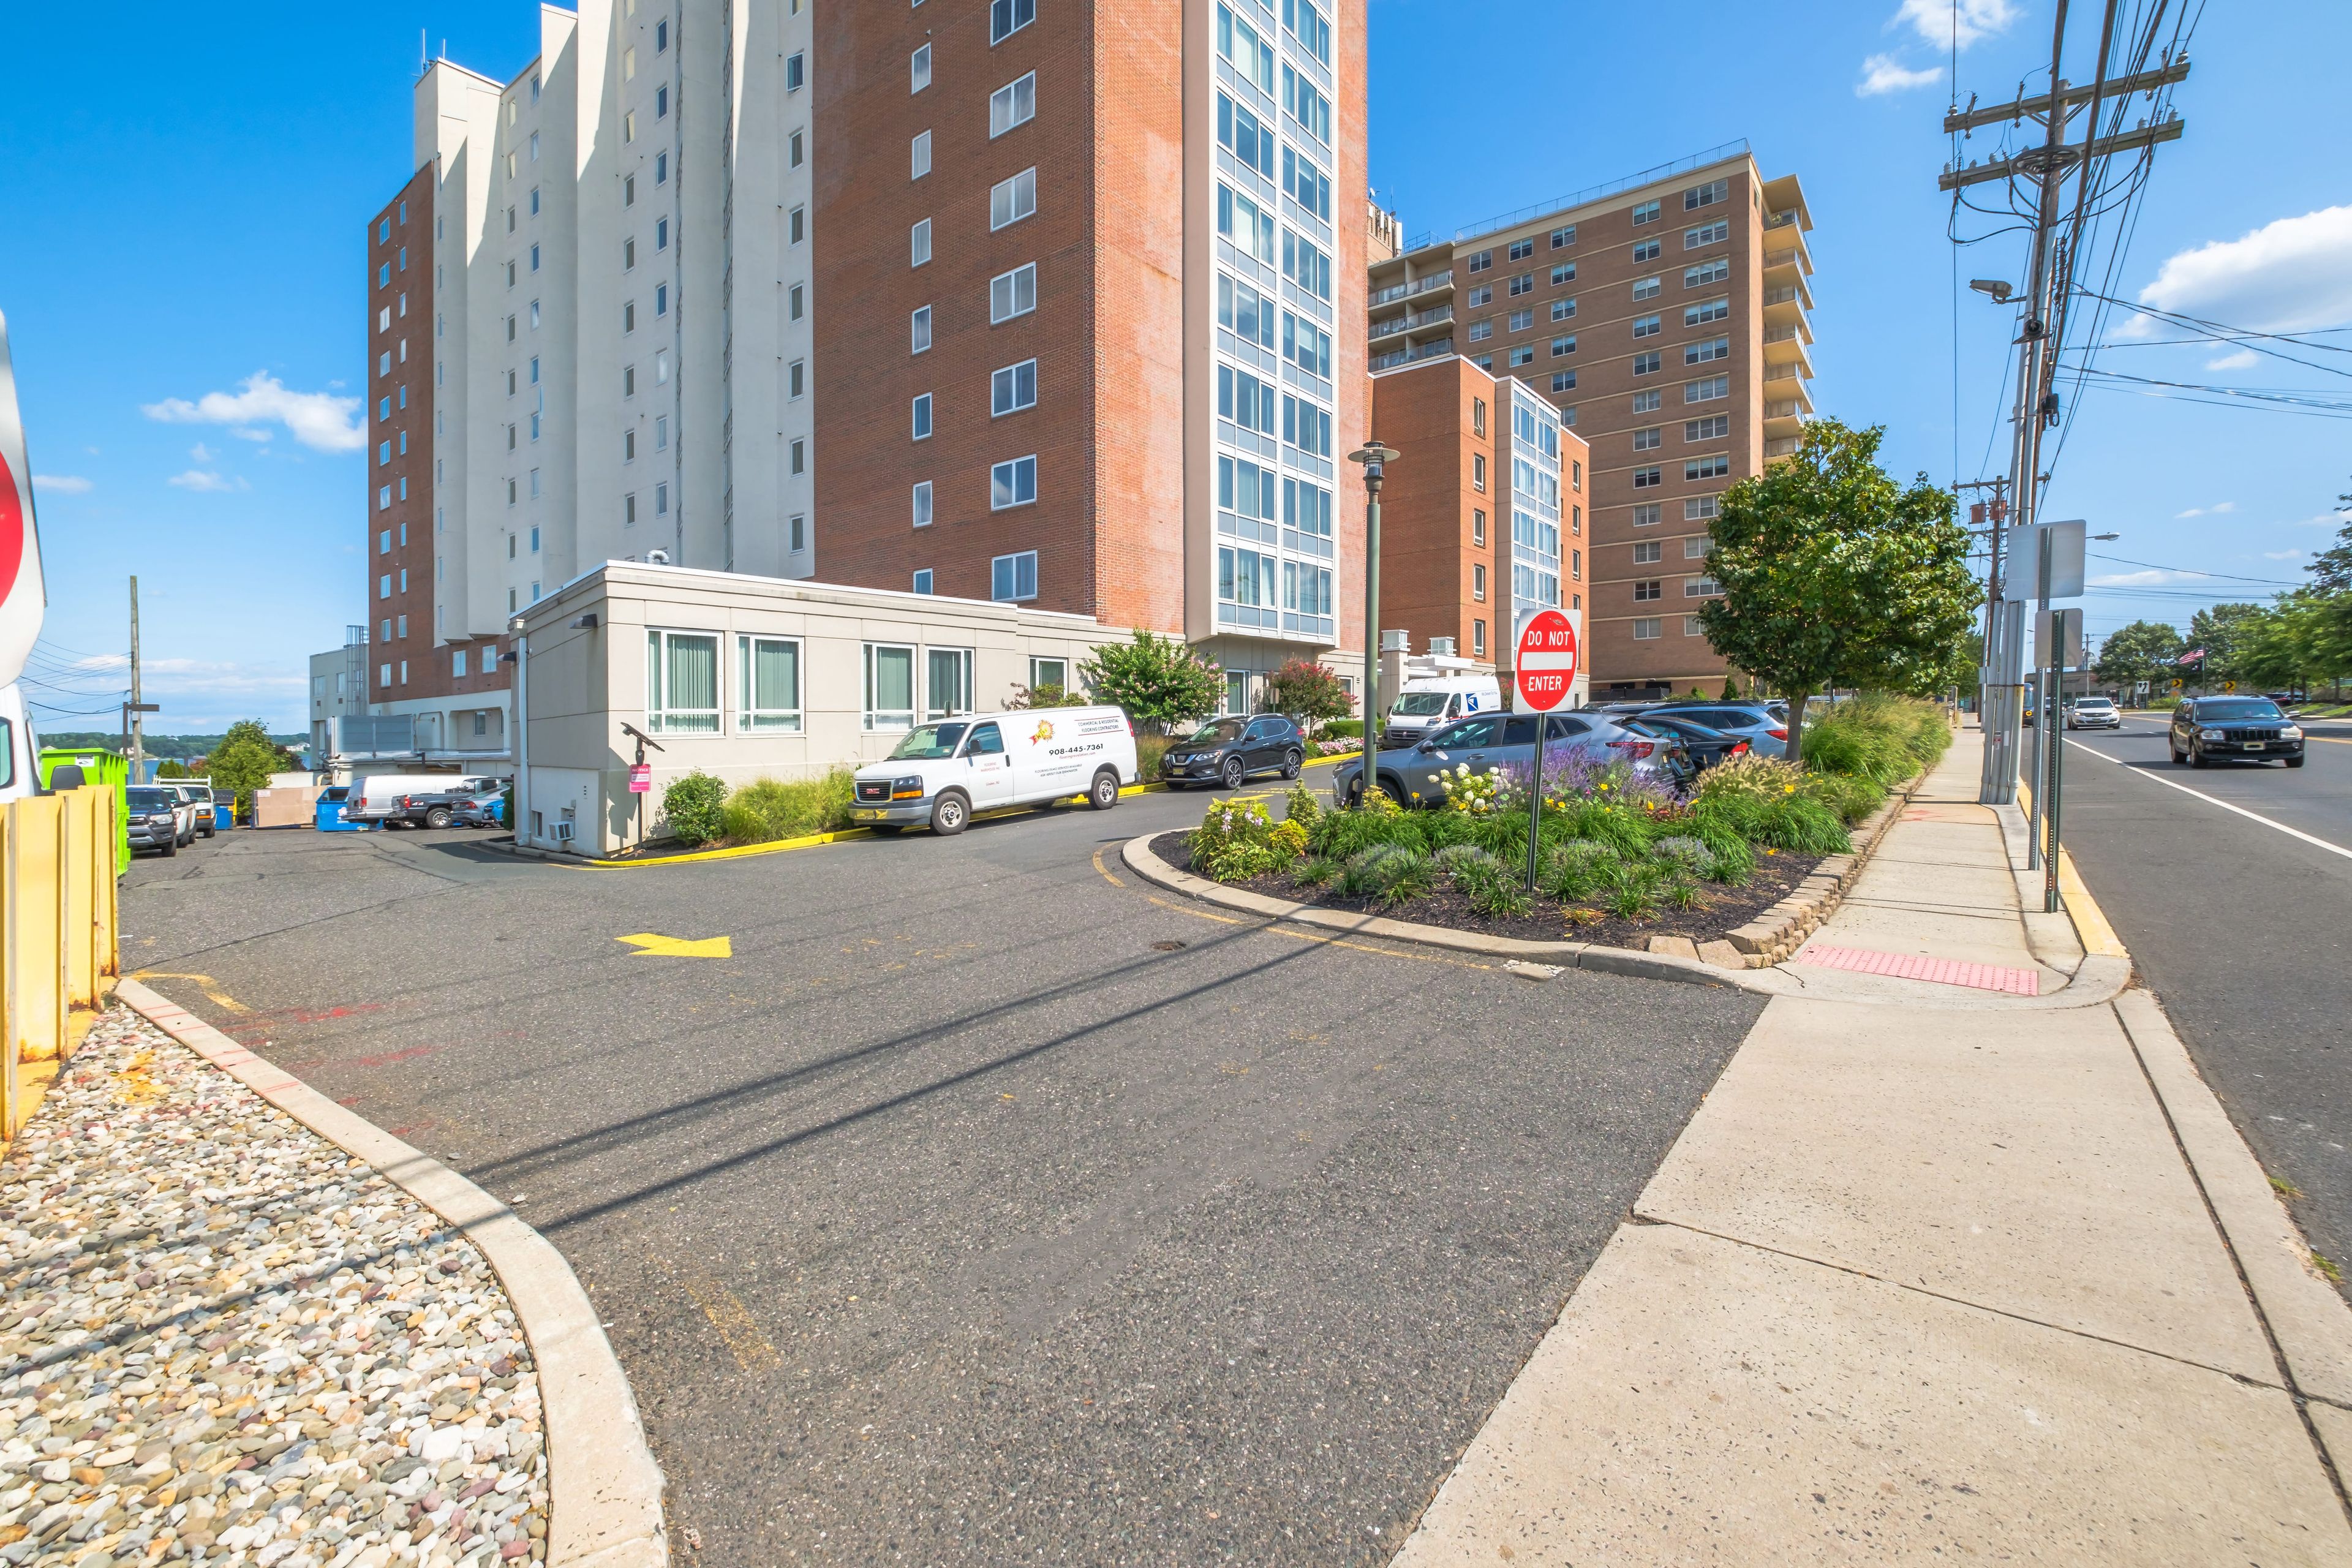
[
  {"x": 1764, "y": 800},
  {"x": 1335, "y": 748},
  {"x": 1237, "y": 840},
  {"x": 1478, "y": 793},
  {"x": 1574, "y": 770}
]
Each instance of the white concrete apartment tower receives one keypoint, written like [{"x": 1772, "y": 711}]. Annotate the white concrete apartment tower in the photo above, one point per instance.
[{"x": 619, "y": 341}]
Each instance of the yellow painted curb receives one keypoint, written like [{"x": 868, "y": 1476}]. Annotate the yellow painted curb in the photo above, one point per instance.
[
  {"x": 2090, "y": 921},
  {"x": 812, "y": 840}
]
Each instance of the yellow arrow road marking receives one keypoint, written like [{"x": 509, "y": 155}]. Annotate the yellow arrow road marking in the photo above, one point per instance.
[{"x": 650, "y": 944}]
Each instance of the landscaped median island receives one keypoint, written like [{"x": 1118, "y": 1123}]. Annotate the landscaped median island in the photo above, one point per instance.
[
  {"x": 1624, "y": 857},
  {"x": 227, "y": 1341}
]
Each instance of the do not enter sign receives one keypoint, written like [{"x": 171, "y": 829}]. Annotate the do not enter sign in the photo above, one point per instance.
[{"x": 1546, "y": 666}]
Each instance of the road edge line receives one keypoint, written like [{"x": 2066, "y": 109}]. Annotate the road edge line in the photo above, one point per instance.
[
  {"x": 2311, "y": 1323},
  {"x": 604, "y": 1487}
]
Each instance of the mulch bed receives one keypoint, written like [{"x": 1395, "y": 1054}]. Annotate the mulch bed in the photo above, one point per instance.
[{"x": 1723, "y": 909}]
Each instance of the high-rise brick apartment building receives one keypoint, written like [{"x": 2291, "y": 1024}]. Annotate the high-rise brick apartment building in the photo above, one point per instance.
[
  {"x": 1080, "y": 269},
  {"x": 1046, "y": 300},
  {"x": 1666, "y": 316}
]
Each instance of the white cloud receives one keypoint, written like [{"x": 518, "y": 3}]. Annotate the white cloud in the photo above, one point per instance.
[
  {"x": 2217, "y": 509},
  {"x": 2225, "y": 506},
  {"x": 1884, "y": 74},
  {"x": 2282, "y": 555},
  {"x": 202, "y": 453},
  {"x": 60, "y": 484},
  {"x": 317, "y": 419},
  {"x": 2242, "y": 360},
  {"x": 206, "y": 481},
  {"x": 244, "y": 434},
  {"x": 2290, "y": 276},
  {"x": 2152, "y": 578},
  {"x": 1943, "y": 22}
]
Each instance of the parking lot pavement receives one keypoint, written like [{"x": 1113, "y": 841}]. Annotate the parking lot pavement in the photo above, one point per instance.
[{"x": 978, "y": 1201}]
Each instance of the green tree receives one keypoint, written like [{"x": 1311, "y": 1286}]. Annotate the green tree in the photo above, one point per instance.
[
  {"x": 2331, "y": 569},
  {"x": 1833, "y": 576},
  {"x": 2216, "y": 632},
  {"x": 172, "y": 769},
  {"x": 1308, "y": 690},
  {"x": 1159, "y": 682},
  {"x": 243, "y": 761},
  {"x": 2142, "y": 650}
]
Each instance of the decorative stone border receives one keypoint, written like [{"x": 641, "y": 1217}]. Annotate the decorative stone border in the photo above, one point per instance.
[
  {"x": 1780, "y": 930},
  {"x": 604, "y": 1489}
]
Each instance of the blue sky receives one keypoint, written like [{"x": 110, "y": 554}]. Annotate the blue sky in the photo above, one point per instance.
[{"x": 188, "y": 198}]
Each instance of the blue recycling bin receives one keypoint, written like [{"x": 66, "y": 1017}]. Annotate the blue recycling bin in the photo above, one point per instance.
[
  {"x": 330, "y": 819},
  {"x": 224, "y": 810}
]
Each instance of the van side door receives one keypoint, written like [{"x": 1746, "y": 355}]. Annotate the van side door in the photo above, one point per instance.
[{"x": 988, "y": 771}]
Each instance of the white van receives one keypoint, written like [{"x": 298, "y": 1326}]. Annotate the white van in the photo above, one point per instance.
[
  {"x": 1429, "y": 702},
  {"x": 943, "y": 772},
  {"x": 20, "y": 747}
]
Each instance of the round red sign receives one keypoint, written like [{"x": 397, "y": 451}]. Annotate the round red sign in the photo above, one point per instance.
[{"x": 1546, "y": 666}]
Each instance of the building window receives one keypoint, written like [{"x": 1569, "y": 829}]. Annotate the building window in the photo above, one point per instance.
[
  {"x": 1646, "y": 515},
  {"x": 1522, "y": 248},
  {"x": 1647, "y": 326},
  {"x": 796, "y": 378},
  {"x": 1562, "y": 310},
  {"x": 1481, "y": 261},
  {"x": 1702, "y": 353},
  {"x": 1013, "y": 577},
  {"x": 1646, "y": 478},
  {"x": 1482, "y": 329},
  {"x": 458, "y": 664},
  {"x": 1564, "y": 273},
  {"x": 1478, "y": 470},
  {"x": 1648, "y": 251},
  {"x": 1651, "y": 589},
  {"x": 1700, "y": 314},
  {"x": 1646, "y": 213},
  {"x": 922, "y": 503},
  {"x": 1478, "y": 580},
  {"x": 947, "y": 683},
  {"x": 1006, "y": 17},
  {"x": 1477, "y": 526},
  {"x": 795, "y": 225},
  {"x": 1013, "y": 388},
  {"x": 919, "y": 244},
  {"x": 1015, "y": 103},
  {"x": 1012, "y": 484},
  {"x": 768, "y": 685},
  {"x": 889, "y": 687},
  {"x": 918, "y": 156},
  {"x": 1716, "y": 428},
  {"x": 1484, "y": 294},
  {"x": 795, "y": 71},
  {"x": 1706, "y": 272},
  {"x": 1477, "y": 416},
  {"x": 796, "y": 301},
  {"x": 1564, "y": 381},
  {"x": 1560, "y": 348},
  {"x": 923, "y": 583},
  {"x": 681, "y": 681},
  {"x": 1699, "y": 509},
  {"x": 1524, "y": 354},
  {"x": 1013, "y": 293},
  {"x": 1647, "y": 440},
  {"x": 1561, "y": 239},
  {"x": 1706, "y": 195},
  {"x": 1697, "y": 548},
  {"x": 1646, "y": 363},
  {"x": 1647, "y": 627},
  {"x": 1715, "y": 233},
  {"x": 1647, "y": 401},
  {"x": 799, "y": 462},
  {"x": 1012, "y": 200},
  {"x": 1714, "y": 466},
  {"x": 918, "y": 70},
  {"x": 1522, "y": 319},
  {"x": 629, "y": 510},
  {"x": 1702, "y": 588},
  {"x": 1705, "y": 391},
  {"x": 1523, "y": 283},
  {"x": 1648, "y": 551},
  {"x": 796, "y": 533},
  {"x": 661, "y": 507},
  {"x": 796, "y": 149},
  {"x": 919, "y": 418}
]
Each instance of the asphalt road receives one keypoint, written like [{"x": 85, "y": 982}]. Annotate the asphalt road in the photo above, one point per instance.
[
  {"x": 2244, "y": 933},
  {"x": 982, "y": 1204}
]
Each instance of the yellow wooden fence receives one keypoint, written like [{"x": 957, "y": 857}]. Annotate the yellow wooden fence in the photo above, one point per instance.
[{"x": 58, "y": 932}]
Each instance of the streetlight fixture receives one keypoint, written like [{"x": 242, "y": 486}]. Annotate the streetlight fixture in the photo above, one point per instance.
[
  {"x": 1993, "y": 288},
  {"x": 1375, "y": 458}
]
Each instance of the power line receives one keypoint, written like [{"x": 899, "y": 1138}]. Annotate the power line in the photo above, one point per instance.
[{"x": 2267, "y": 582}]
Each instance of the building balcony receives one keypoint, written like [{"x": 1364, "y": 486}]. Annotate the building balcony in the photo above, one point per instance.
[
  {"x": 1785, "y": 306},
  {"x": 1785, "y": 417},
  {"x": 1786, "y": 259},
  {"x": 1786, "y": 356},
  {"x": 1418, "y": 321},
  {"x": 1780, "y": 372},
  {"x": 1386, "y": 294},
  {"x": 1429, "y": 283},
  {"x": 1798, "y": 331},
  {"x": 1785, "y": 446},
  {"x": 1436, "y": 348}
]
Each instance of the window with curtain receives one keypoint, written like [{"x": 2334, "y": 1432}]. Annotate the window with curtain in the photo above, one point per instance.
[
  {"x": 948, "y": 684},
  {"x": 889, "y": 687},
  {"x": 768, "y": 682},
  {"x": 682, "y": 683}
]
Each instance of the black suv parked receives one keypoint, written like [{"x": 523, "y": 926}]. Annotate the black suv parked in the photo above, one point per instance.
[
  {"x": 1228, "y": 750},
  {"x": 2206, "y": 728}
]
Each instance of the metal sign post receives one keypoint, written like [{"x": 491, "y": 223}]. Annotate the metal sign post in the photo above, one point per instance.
[
  {"x": 641, "y": 775},
  {"x": 1543, "y": 670}
]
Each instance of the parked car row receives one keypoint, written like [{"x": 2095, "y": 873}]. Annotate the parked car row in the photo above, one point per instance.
[
  {"x": 170, "y": 815},
  {"x": 425, "y": 800}
]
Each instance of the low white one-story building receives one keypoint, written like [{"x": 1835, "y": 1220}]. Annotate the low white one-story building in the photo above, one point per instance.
[{"x": 747, "y": 677}]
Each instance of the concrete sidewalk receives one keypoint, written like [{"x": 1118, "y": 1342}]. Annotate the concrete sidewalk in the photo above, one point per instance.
[{"x": 1935, "y": 1273}]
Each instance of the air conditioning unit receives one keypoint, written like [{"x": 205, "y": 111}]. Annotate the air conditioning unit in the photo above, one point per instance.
[{"x": 563, "y": 831}]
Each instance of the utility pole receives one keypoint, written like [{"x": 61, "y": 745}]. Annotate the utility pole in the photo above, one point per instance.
[
  {"x": 138, "y": 714},
  {"x": 2049, "y": 283},
  {"x": 1994, "y": 517}
]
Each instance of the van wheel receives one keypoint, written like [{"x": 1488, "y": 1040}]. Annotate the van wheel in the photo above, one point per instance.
[
  {"x": 1103, "y": 793},
  {"x": 950, "y": 813},
  {"x": 437, "y": 817},
  {"x": 1292, "y": 762}
]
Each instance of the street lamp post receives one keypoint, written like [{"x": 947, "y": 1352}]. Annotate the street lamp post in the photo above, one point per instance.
[{"x": 1375, "y": 458}]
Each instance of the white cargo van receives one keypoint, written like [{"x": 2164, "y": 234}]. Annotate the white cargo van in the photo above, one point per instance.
[
  {"x": 1429, "y": 702},
  {"x": 943, "y": 772}
]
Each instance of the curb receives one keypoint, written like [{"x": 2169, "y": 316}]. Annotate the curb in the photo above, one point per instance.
[
  {"x": 813, "y": 840},
  {"x": 1137, "y": 854},
  {"x": 604, "y": 1489}
]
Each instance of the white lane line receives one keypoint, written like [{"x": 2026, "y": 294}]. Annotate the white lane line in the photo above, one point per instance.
[{"x": 2211, "y": 800}]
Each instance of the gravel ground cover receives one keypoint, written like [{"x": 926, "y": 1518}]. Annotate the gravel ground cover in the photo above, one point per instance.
[{"x": 225, "y": 1341}]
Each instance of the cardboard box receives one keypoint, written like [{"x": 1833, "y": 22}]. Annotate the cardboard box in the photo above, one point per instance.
[{"x": 286, "y": 807}]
